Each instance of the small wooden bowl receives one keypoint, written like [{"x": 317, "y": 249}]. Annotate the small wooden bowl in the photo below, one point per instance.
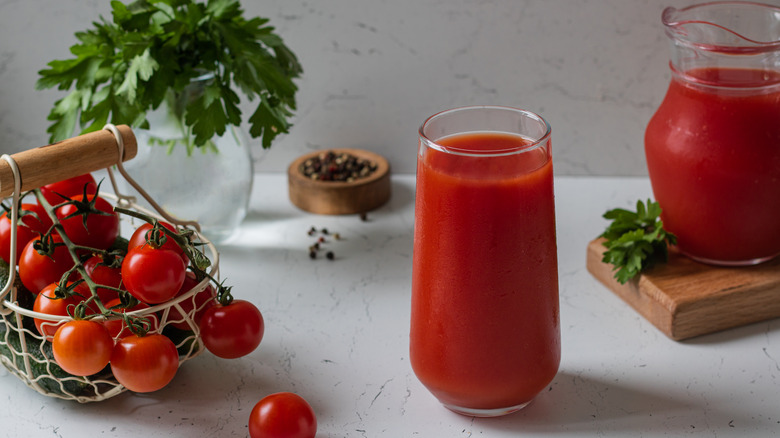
[{"x": 340, "y": 197}]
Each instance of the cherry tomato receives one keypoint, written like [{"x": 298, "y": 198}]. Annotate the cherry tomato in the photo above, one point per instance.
[
  {"x": 232, "y": 331},
  {"x": 139, "y": 239},
  {"x": 46, "y": 302},
  {"x": 200, "y": 301},
  {"x": 144, "y": 363},
  {"x": 39, "y": 270},
  {"x": 24, "y": 234},
  {"x": 101, "y": 229},
  {"x": 105, "y": 276},
  {"x": 282, "y": 415},
  {"x": 153, "y": 275},
  {"x": 61, "y": 191},
  {"x": 116, "y": 326},
  {"x": 82, "y": 347},
  {"x": 40, "y": 222}
]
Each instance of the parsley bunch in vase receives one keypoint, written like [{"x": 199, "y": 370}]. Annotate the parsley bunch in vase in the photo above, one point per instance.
[
  {"x": 210, "y": 184},
  {"x": 173, "y": 70}
]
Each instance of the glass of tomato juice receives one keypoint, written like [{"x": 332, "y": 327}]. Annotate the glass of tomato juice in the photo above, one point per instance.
[{"x": 485, "y": 330}]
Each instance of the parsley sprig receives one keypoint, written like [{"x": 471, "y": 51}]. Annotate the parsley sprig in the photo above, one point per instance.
[
  {"x": 635, "y": 240},
  {"x": 152, "y": 49}
]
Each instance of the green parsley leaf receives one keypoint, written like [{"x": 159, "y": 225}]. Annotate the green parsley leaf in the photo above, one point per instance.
[
  {"x": 635, "y": 239},
  {"x": 151, "y": 50}
]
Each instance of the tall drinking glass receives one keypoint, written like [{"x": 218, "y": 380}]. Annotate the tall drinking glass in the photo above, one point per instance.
[{"x": 485, "y": 330}]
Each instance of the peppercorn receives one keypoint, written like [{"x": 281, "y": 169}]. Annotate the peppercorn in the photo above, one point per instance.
[
  {"x": 344, "y": 167},
  {"x": 317, "y": 246}
]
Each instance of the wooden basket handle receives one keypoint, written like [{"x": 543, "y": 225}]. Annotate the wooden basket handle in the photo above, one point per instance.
[{"x": 66, "y": 159}]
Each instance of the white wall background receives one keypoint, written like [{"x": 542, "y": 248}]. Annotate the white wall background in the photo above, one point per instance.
[{"x": 375, "y": 69}]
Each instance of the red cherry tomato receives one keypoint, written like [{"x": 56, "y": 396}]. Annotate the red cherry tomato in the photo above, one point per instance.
[
  {"x": 101, "y": 229},
  {"x": 105, "y": 276},
  {"x": 46, "y": 302},
  {"x": 139, "y": 239},
  {"x": 36, "y": 218},
  {"x": 282, "y": 415},
  {"x": 116, "y": 326},
  {"x": 39, "y": 270},
  {"x": 232, "y": 331},
  {"x": 201, "y": 301},
  {"x": 102, "y": 274},
  {"x": 82, "y": 347},
  {"x": 24, "y": 234},
  {"x": 61, "y": 191},
  {"x": 144, "y": 363},
  {"x": 153, "y": 275}
]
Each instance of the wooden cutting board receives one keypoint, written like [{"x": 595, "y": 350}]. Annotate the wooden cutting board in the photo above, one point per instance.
[{"x": 684, "y": 298}]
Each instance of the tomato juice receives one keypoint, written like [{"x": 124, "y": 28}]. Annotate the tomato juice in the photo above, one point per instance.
[
  {"x": 713, "y": 155},
  {"x": 485, "y": 329}
]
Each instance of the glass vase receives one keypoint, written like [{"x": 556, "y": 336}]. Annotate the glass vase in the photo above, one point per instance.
[{"x": 209, "y": 184}]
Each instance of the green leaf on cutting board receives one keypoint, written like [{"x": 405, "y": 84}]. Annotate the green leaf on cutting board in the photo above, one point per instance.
[{"x": 635, "y": 239}]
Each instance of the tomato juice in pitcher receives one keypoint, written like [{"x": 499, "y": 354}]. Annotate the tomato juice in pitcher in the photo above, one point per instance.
[{"x": 713, "y": 146}]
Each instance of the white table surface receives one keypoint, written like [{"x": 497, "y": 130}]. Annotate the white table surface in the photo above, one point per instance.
[{"x": 337, "y": 334}]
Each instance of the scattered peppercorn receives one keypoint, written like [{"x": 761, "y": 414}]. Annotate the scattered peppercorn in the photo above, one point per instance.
[
  {"x": 363, "y": 216},
  {"x": 331, "y": 166},
  {"x": 316, "y": 247}
]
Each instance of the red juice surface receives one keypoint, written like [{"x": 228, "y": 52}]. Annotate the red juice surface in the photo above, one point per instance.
[
  {"x": 713, "y": 155},
  {"x": 485, "y": 322}
]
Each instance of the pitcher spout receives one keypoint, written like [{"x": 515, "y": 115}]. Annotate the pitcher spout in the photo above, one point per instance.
[{"x": 727, "y": 27}]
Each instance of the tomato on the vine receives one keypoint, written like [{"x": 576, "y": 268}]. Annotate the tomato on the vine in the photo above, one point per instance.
[
  {"x": 233, "y": 330},
  {"x": 116, "y": 325},
  {"x": 153, "y": 275},
  {"x": 46, "y": 302},
  {"x": 35, "y": 216},
  {"x": 82, "y": 347},
  {"x": 101, "y": 229},
  {"x": 24, "y": 234},
  {"x": 144, "y": 363},
  {"x": 282, "y": 415},
  {"x": 200, "y": 302},
  {"x": 39, "y": 270},
  {"x": 140, "y": 235},
  {"x": 60, "y": 191},
  {"x": 103, "y": 275},
  {"x": 34, "y": 222}
]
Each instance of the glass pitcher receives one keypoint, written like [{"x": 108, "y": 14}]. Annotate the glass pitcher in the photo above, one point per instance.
[{"x": 713, "y": 146}]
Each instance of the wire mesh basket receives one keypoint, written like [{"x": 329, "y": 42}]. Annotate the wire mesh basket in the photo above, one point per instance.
[{"x": 27, "y": 353}]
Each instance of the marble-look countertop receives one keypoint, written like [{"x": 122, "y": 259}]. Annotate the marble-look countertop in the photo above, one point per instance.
[{"x": 337, "y": 334}]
